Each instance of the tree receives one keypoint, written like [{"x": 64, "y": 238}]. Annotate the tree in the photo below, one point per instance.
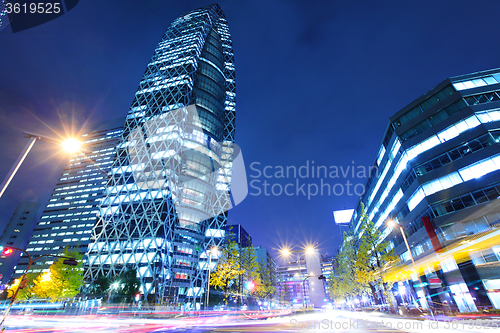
[
  {"x": 373, "y": 256},
  {"x": 44, "y": 287},
  {"x": 99, "y": 286},
  {"x": 360, "y": 264},
  {"x": 129, "y": 284},
  {"x": 267, "y": 287},
  {"x": 25, "y": 293},
  {"x": 249, "y": 271},
  {"x": 67, "y": 280},
  {"x": 284, "y": 293},
  {"x": 228, "y": 268},
  {"x": 61, "y": 281},
  {"x": 346, "y": 280},
  {"x": 237, "y": 267}
]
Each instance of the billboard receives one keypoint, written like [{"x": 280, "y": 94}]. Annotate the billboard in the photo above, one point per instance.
[{"x": 342, "y": 217}]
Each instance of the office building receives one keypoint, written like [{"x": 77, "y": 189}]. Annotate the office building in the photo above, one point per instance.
[
  {"x": 16, "y": 234},
  {"x": 291, "y": 290},
  {"x": 299, "y": 282},
  {"x": 71, "y": 212},
  {"x": 238, "y": 234},
  {"x": 167, "y": 197},
  {"x": 264, "y": 259},
  {"x": 4, "y": 17},
  {"x": 438, "y": 177}
]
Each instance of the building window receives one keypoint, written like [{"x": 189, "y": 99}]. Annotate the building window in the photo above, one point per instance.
[{"x": 431, "y": 101}]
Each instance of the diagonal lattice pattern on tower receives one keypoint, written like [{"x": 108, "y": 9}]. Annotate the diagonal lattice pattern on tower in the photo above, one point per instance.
[{"x": 168, "y": 193}]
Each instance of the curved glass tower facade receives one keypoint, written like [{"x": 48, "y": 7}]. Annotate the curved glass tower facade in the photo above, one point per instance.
[
  {"x": 438, "y": 178},
  {"x": 167, "y": 196}
]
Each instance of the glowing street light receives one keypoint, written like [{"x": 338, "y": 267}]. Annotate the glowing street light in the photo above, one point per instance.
[
  {"x": 113, "y": 286},
  {"x": 69, "y": 145},
  {"x": 285, "y": 252}
]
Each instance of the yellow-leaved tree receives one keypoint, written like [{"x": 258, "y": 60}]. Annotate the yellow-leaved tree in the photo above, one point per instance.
[
  {"x": 61, "y": 281},
  {"x": 228, "y": 269},
  {"x": 26, "y": 292}
]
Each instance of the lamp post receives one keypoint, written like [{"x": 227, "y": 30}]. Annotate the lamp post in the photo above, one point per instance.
[
  {"x": 68, "y": 261},
  {"x": 392, "y": 223},
  {"x": 70, "y": 145},
  {"x": 286, "y": 253},
  {"x": 213, "y": 250},
  {"x": 114, "y": 286}
]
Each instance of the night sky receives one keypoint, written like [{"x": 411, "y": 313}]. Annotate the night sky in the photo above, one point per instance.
[{"x": 316, "y": 81}]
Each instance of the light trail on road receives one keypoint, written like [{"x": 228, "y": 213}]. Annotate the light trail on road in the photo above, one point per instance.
[{"x": 330, "y": 321}]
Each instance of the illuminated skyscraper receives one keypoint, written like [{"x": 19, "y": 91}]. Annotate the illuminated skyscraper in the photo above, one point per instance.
[
  {"x": 439, "y": 170},
  {"x": 71, "y": 212},
  {"x": 168, "y": 193}
]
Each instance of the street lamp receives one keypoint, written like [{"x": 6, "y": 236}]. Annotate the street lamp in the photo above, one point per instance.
[
  {"x": 114, "y": 286},
  {"x": 393, "y": 223},
  {"x": 70, "y": 145},
  {"x": 9, "y": 249},
  {"x": 214, "y": 251}
]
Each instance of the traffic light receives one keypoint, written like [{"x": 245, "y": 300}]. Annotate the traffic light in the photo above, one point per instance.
[
  {"x": 71, "y": 262},
  {"x": 250, "y": 285},
  {"x": 6, "y": 251}
]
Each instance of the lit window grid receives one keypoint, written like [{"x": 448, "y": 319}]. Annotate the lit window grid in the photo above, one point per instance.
[
  {"x": 477, "y": 82},
  {"x": 89, "y": 187},
  {"x": 441, "y": 137},
  {"x": 137, "y": 112}
]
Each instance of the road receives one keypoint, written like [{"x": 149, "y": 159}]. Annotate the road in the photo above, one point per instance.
[{"x": 332, "y": 321}]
